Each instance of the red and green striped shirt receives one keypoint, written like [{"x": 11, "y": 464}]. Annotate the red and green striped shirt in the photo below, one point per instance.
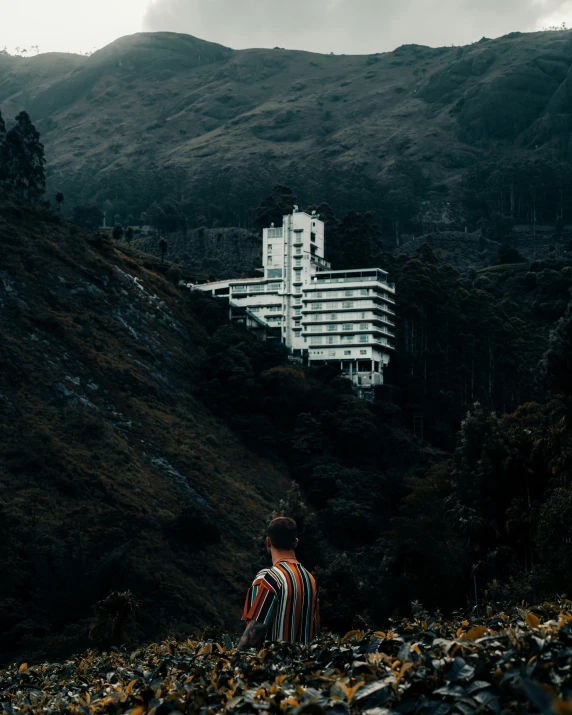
[{"x": 285, "y": 599}]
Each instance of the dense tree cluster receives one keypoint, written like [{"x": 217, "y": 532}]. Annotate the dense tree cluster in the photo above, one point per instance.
[
  {"x": 22, "y": 163},
  {"x": 494, "y": 194},
  {"x": 532, "y": 191}
]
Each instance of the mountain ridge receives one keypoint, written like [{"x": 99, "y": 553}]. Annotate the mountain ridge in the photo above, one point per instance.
[{"x": 348, "y": 129}]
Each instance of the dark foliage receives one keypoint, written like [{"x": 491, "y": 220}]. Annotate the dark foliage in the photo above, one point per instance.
[
  {"x": 195, "y": 527},
  {"x": 117, "y": 232},
  {"x": 508, "y": 254},
  {"x": 113, "y": 615},
  {"x": 272, "y": 209},
  {"x": 557, "y": 361},
  {"x": 22, "y": 159},
  {"x": 3, "y": 156},
  {"x": 87, "y": 215}
]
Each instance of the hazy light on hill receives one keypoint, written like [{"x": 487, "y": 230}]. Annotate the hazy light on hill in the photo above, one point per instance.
[{"x": 68, "y": 25}]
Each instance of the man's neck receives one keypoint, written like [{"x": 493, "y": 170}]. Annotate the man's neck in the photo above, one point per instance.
[{"x": 282, "y": 556}]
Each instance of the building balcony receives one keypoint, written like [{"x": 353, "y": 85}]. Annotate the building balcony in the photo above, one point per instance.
[
  {"x": 321, "y": 327},
  {"x": 347, "y": 345},
  {"x": 354, "y": 277},
  {"x": 320, "y": 261},
  {"x": 359, "y": 304}
]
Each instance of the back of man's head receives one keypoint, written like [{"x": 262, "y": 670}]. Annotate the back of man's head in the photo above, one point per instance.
[{"x": 283, "y": 533}]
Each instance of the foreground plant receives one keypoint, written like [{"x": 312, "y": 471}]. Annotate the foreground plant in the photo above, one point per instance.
[{"x": 517, "y": 661}]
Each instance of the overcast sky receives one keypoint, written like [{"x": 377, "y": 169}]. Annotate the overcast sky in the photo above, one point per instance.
[{"x": 340, "y": 26}]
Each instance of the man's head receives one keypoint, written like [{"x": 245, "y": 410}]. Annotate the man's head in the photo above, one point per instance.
[{"x": 282, "y": 534}]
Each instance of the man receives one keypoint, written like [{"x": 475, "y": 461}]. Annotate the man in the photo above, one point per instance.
[{"x": 282, "y": 603}]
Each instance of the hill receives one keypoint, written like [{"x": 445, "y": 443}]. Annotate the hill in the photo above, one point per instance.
[
  {"x": 163, "y": 114},
  {"x": 113, "y": 475}
]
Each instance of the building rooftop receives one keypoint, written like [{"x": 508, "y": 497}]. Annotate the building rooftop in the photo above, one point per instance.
[
  {"x": 353, "y": 272},
  {"x": 234, "y": 280}
]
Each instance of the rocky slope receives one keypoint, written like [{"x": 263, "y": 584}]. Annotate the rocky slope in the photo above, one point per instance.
[
  {"x": 112, "y": 475},
  {"x": 232, "y": 123},
  {"x": 222, "y": 252}
]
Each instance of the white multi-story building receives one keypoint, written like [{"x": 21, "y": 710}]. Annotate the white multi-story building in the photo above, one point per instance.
[{"x": 322, "y": 316}]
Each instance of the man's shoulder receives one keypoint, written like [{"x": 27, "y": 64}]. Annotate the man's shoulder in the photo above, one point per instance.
[{"x": 269, "y": 575}]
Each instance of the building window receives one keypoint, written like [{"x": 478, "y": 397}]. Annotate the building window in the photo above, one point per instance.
[
  {"x": 274, "y": 286},
  {"x": 365, "y": 326},
  {"x": 363, "y": 338},
  {"x": 297, "y": 311},
  {"x": 333, "y": 316},
  {"x": 331, "y": 339},
  {"x": 316, "y": 340},
  {"x": 257, "y": 288},
  {"x": 318, "y": 295},
  {"x": 316, "y": 306},
  {"x": 364, "y": 315},
  {"x": 331, "y": 328},
  {"x": 364, "y": 291},
  {"x": 363, "y": 352},
  {"x": 269, "y": 248},
  {"x": 348, "y": 292},
  {"x": 316, "y": 317},
  {"x": 274, "y": 233},
  {"x": 298, "y": 262},
  {"x": 296, "y": 323},
  {"x": 348, "y": 304},
  {"x": 269, "y": 261},
  {"x": 274, "y": 273},
  {"x": 347, "y": 352},
  {"x": 347, "y": 326}
]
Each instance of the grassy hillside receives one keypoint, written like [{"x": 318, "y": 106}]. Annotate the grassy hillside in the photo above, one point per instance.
[
  {"x": 336, "y": 127},
  {"x": 112, "y": 475}
]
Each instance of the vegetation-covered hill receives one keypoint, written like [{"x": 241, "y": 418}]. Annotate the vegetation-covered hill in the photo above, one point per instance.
[
  {"x": 502, "y": 662},
  {"x": 162, "y": 114},
  {"x": 113, "y": 475}
]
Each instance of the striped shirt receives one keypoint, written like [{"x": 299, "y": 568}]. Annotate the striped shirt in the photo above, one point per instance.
[{"x": 285, "y": 599}]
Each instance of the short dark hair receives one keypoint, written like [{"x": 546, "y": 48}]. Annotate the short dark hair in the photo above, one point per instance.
[{"x": 283, "y": 533}]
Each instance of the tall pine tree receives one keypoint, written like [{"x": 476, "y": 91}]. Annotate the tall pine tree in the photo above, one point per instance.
[
  {"x": 25, "y": 161},
  {"x": 2, "y": 150}
]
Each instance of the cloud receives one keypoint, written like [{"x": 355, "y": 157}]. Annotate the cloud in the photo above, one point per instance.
[{"x": 350, "y": 26}]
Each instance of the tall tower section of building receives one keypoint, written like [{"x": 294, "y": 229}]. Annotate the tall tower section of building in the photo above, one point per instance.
[
  {"x": 322, "y": 316},
  {"x": 293, "y": 254}
]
